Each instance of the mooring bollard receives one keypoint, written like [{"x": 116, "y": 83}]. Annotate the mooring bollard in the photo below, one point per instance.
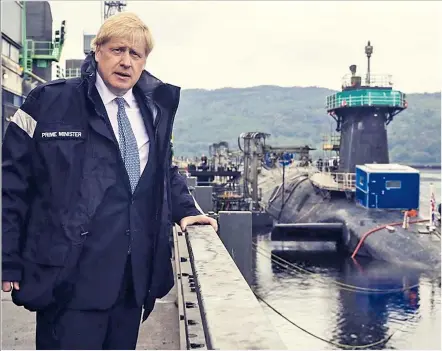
[{"x": 235, "y": 231}]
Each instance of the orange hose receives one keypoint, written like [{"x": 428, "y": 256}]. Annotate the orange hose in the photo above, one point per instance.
[{"x": 361, "y": 241}]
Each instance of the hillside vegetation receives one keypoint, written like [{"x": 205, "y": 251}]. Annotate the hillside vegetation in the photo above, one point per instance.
[{"x": 296, "y": 116}]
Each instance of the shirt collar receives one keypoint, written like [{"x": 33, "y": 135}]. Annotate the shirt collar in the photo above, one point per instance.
[{"x": 107, "y": 96}]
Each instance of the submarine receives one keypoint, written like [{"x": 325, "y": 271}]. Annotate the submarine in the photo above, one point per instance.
[{"x": 360, "y": 199}]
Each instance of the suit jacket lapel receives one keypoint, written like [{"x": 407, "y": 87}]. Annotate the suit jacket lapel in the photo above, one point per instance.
[
  {"x": 146, "y": 113},
  {"x": 100, "y": 122},
  {"x": 147, "y": 116}
]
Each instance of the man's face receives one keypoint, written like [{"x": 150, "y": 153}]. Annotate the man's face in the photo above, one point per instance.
[{"x": 120, "y": 64}]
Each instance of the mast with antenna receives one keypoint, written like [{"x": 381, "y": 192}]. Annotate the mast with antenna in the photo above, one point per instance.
[
  {"x": 368, "y": 52},
  {"x": 113, "y": 7}
]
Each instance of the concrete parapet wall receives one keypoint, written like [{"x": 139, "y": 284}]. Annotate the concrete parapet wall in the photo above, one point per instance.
[{"x": 233, "y": 318}]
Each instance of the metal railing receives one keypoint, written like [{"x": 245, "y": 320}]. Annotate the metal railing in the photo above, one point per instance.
[
  {"x": 331, "y": 142},
  {"x": 394, "y": 99},
  {"x": 375, "y": 81},
  {"x": 46, "y": 50},
  {"x": 39, "y": 50},
  {"x": 72, "y": 72},
  {"x": 334, "y": 180},
  {"x": 346, "y": 181}
]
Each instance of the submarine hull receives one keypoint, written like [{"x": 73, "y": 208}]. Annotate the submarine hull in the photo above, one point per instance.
[{"x": 300, "y": 201}]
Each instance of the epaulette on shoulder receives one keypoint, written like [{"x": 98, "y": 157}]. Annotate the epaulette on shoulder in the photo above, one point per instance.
[
  {"x": 49, "y": 90},
  {"x": 41, "y": 88},
  {"x": 56, "y": 81}
]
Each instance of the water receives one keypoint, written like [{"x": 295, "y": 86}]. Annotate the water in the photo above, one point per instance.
[{"x": 340, "y": 314}]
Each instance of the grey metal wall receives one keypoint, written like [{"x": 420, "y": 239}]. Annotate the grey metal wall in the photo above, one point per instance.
[
  {"x": 11, "y": 20},
  {"x": 363, "y": 138},
  {"x": 39, "y": 28},
  {"x": 38, "y": 20}
]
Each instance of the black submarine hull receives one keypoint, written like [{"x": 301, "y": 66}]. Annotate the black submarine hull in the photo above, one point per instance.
[{"x": 303, "y": 202}]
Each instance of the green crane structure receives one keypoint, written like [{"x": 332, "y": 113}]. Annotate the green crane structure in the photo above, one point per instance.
[{"x": 42, "y": 53}]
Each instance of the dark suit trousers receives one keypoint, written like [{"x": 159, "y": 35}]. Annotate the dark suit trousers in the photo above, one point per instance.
[{"x": 112, "y": 329}]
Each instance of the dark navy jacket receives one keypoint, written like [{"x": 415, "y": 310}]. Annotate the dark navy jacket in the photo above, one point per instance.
[{"x": 69, "y": 216}]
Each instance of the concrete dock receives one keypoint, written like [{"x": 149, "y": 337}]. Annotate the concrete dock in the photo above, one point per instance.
[{"x": 159, "y": 332}]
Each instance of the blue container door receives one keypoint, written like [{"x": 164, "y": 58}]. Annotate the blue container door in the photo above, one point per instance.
[
  {"x": 373, "y": 199},
  {"x": 386, "y": 198},
  {"x": 373, "y": 191},
  {"x": 390, "y": 191}
]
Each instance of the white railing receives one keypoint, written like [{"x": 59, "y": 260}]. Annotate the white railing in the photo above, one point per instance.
[
  {"x": 73, "y": 72},
  {"x": 346, "y": 181},
  {"x": 334, "y": 180},
  {"x": 375, "y": 80},
  {"x": 330, "y": 142}
]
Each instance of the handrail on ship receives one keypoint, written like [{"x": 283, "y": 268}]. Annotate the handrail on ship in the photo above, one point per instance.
[
  {"x": 377, "y": 80},
  {"x": 334, "y": 180},
  {"x": 393, "y": 100}
]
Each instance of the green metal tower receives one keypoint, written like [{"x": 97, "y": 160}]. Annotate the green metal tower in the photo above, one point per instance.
[{"x": 42, "y": 53}]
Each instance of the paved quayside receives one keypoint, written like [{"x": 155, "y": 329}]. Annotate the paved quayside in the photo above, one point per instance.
[{"x": 159, "y": 332}]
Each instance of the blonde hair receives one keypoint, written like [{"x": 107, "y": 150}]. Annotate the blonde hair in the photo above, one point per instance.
[{"x": 125, "y": 25}]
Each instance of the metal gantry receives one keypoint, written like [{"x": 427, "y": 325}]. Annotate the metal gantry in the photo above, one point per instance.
[
  {"x": 254, "y": 150},
  {"x": 40, "y": 53},
  {"x": 256, "y": 153},
  {"x": 113, "y": 7}
]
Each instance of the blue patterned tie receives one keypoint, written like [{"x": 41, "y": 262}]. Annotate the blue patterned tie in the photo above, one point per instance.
[{"x": 128, "y": 145}]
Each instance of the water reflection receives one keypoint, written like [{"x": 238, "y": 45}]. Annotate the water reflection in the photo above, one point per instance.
[
  {"x": 367, "y": 317},
  {"x": 340, "y": 313}
]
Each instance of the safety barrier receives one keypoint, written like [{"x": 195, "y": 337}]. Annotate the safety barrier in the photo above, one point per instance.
[
  {"x": 376, "y": 80},
  {"x": 365, "y": 99},
  {"x": 334, "y": 180},
  {"x": 73, "y": 72}
]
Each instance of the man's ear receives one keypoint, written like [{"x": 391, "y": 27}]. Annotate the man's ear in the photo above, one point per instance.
[{"x": 97, "y": 54}]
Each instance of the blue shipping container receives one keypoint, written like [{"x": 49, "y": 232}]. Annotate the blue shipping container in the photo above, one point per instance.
[{"x": 388, "y": 186}]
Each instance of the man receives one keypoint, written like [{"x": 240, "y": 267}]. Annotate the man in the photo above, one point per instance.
[{"x": 87, "y": 189}]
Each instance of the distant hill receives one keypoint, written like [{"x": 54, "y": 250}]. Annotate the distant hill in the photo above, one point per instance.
[{"x": 296, "y": 116}]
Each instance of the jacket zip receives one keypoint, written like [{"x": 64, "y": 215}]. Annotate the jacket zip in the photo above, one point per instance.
[{"x": 160, "y": 115}]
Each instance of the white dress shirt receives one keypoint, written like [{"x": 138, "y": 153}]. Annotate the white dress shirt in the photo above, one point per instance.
[{"x": 133, "y": 113}]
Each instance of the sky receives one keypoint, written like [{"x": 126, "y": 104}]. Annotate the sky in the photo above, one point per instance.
[{"x": 216, "y": 44}]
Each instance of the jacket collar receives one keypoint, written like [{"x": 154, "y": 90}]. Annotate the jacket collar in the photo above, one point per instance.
[
  {"x": 148, "y": 84},
  {"x": 107, "y": 96}
]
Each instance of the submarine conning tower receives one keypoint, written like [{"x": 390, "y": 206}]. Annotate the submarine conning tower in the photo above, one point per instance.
[{"x": 362, "y": 111}]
